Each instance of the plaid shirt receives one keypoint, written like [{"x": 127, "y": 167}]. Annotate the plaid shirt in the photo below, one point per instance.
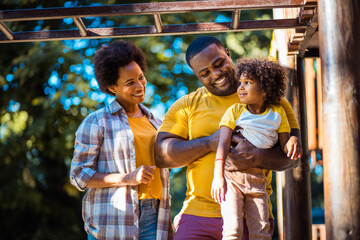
[{"x": 105, "y": 143}]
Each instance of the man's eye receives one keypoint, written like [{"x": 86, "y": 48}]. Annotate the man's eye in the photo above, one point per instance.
[{"x": 219, "y": 64}]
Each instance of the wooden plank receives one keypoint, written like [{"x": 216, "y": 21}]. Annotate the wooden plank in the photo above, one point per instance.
[
  {"x": 296, "y": 192},
  {"x": 339, "y": 36},
  {"x": 319, "y": 103},
  {"x": 81, "y": 26},
  {"x": 7, "y": 32},
  {"x": 180, "y": 29},
  {"x": 310, "y": 103},
  {"x": 144, "y": 9}
]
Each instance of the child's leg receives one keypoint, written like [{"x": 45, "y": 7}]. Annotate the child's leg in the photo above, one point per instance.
[
  {"x": 257, "y": 208},
  {"x": 232, "y": 209}
]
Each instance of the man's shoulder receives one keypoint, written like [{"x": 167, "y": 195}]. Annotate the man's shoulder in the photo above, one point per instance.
[{"x": 193, "y": 97}]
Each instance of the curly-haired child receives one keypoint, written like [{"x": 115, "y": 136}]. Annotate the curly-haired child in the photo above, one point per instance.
[{"x": 263, "y": 122}]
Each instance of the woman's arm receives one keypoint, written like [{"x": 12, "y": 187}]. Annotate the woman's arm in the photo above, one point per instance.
[{"x": 143, "y": 174}]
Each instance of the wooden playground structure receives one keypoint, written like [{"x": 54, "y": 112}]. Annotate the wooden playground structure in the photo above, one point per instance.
[{"x": 325, "y": 101}]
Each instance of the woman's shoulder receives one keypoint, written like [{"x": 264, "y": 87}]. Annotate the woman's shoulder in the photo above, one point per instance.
[{"x": 94, "y": 117}]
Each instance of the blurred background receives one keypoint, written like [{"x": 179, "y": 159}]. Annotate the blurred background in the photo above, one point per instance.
[{"x": 47, "y": 88}]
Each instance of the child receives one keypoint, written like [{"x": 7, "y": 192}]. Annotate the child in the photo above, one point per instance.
[{"x": 262, "y": 121}]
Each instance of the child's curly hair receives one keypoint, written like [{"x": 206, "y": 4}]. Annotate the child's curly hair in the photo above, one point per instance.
[{"x": 270, "y": 77}]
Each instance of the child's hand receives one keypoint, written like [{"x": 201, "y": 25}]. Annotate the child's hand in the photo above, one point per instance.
[
  {"x": 218, "y": 189},
  {"x": 294, "y": 149}
]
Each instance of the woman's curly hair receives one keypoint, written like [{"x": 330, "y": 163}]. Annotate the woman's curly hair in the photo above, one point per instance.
[
  {"x": 270, "y": 77},
  {"x": 108, "y": 59}
]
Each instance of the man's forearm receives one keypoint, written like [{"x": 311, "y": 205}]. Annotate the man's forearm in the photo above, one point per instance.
[
  {"x": 244, "y": 155},
  {"x": 273, "y": 159},
  {"x": 171, "y": 151}
]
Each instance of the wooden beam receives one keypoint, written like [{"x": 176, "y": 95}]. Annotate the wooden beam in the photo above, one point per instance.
[
  {"x": 310, "y": 103},
  {"x": 8, "y": 33},
  {"x": 339, "y": 37},
  {"x": 319, "y": 102},
  {"x": 296, "y": 191},
  {"x": 158, "y": 24},
  {"x": 235, "y": 19},
  {"x": 310, "y": 31},
  {"x": 180, "y": 29},
  {"x": 79, "y": 23},
  {"x": 144, "y": 9}
]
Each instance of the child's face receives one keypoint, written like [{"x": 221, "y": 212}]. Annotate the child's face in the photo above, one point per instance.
[{"x": 249, "y": 93}]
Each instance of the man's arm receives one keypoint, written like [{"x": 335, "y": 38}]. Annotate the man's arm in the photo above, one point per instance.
[
  {"x": 245, "y": 155},
  {"x": 173, "y": 151}
]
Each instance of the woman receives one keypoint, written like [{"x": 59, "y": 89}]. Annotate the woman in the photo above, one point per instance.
[{"x": 127, "y": 197}]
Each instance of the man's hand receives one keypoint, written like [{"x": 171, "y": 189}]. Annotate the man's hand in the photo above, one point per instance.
[{"x": 240, "y": 155}]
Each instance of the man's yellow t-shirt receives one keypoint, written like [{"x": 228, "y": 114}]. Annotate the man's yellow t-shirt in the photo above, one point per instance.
[{"x": 198, "y": 115}]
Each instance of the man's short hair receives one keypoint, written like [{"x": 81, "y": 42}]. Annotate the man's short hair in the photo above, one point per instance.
[{"x": 200, "y": 44}]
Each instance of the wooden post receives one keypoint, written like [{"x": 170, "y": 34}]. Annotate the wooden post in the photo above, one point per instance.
[
  {"x": 296, "y": 193},
  {"x": 295, "y": 183},
  {"x": 340, "y": 60}
]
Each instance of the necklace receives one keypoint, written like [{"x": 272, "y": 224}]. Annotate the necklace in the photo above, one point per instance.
[{"x": 137, "y": 115}]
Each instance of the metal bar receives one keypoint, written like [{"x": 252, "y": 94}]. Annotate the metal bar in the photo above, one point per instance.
[
  {"x": 158, "y": 24},
  {"x": 235, "y": 19},
  {"x": 80, "y": 24},
  {"x": 144, "y": 9},
  {"x": 8, "y": 33},
  {"x": 181, "y": 29}
]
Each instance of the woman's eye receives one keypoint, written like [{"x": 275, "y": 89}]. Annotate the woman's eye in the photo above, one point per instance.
[{"x": 205, "y": 74}]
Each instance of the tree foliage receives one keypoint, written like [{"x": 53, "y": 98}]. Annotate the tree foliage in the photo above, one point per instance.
[{"x": 47, "y": 88}]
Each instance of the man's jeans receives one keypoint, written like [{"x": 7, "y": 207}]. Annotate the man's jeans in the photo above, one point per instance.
[{"x": 148, "y": 215}]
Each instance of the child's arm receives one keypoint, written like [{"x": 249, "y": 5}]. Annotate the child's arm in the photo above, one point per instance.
[
  {"x": 289, "y": 144},
  {"x": 218, "y": 188}
]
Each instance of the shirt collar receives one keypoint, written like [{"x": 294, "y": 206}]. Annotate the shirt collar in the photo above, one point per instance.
[{"x": 115, "y": 106}]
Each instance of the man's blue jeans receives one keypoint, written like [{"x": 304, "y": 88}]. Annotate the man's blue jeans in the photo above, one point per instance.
[{"x": 148, "y": 215}]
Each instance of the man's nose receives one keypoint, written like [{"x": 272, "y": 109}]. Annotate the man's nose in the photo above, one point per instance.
[{"x": 217, "y": 73}]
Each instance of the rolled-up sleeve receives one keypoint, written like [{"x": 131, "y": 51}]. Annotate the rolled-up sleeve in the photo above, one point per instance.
[{"x": 88, "y": 142}]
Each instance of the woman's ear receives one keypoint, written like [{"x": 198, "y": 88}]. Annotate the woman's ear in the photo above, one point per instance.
[{"x": 112, "y": 90}]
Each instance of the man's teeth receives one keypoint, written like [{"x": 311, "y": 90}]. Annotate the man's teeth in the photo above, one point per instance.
[{"x": 220, "y": 80}]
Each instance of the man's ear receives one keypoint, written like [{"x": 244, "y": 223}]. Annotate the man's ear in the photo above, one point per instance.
[{"x": 227, "y": 52}]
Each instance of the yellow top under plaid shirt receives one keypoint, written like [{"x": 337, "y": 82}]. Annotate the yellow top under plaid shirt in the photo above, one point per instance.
[{"x": 105, "y": 143}]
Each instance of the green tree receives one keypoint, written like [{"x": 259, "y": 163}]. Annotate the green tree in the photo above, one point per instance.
[{"x": 47, "y": 88}]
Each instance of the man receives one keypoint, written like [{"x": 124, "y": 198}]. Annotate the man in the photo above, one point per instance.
[{"x": 189, "y": 137}]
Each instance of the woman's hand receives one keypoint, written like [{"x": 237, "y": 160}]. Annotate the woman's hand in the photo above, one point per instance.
[
  {"x": 143, "y": 174},
  {"x": 218, "y": 188}
]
